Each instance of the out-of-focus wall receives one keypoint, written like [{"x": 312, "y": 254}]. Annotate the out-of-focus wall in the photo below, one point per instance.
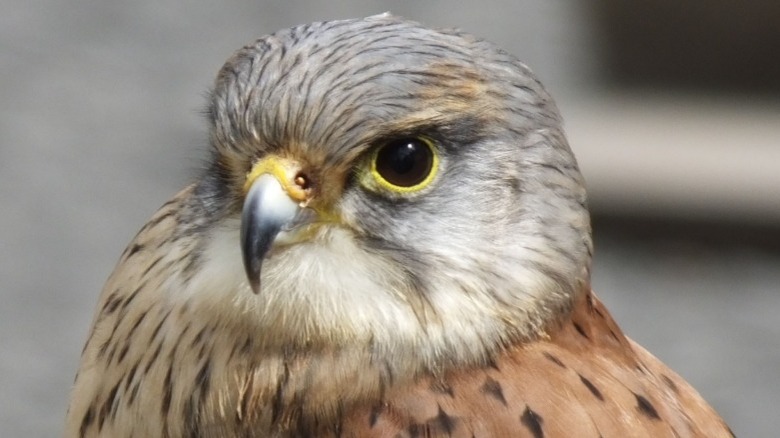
[
  {"x": 101, "y": 123},
  {"x": 686, "y": 122}
]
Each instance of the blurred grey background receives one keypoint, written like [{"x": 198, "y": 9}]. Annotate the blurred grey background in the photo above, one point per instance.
[{"x": 673, "y": 109}]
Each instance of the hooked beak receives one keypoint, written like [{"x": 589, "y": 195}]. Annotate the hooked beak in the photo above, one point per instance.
[{"x": 274, "y": 204}]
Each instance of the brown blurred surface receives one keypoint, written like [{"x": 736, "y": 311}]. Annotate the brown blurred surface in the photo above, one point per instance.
[
  {"x": 709, "y": 157},
  {"x": 100, "y": 124},
  {"x": 717, "y": 44}
]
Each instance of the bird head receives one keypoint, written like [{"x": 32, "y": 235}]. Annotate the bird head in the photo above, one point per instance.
[{"x": 377, "y": 183}]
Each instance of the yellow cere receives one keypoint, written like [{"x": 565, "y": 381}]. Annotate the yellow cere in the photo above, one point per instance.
[
  {"x": 383, "y": 183},
  {"x": 283, "y": 169}
]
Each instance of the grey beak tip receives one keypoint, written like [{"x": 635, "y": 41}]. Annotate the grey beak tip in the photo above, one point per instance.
[
  {"x": 267, "y": 210},
  {"x": 255, "y": 285}
]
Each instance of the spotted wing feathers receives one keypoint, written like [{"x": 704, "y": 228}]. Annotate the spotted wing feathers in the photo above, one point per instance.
[{"x": 586, "y": 379}]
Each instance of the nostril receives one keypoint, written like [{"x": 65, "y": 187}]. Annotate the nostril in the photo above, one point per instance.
[{"x": 302, "y": 181}]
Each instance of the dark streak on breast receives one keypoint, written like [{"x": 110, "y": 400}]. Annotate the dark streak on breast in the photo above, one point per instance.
[
  {"x": 167, "y": 393},
  {"x": 591, "y": 387},
  {"x": 554, "y": 360},
  {"x": 670, "y": 383},
  {"x": 445, "y": 422},
  {"x": 373, "y": 417},
  {"x": 580, "y": 330},
  {"x": 646, "y": 407},
  {"x": 533, "y": 422},
  {"x": 87, "y": 420},
  {"x": 133, "y": 249},
  {"x": 492, "y": 388},
  {"x": 203, "y": 378}
]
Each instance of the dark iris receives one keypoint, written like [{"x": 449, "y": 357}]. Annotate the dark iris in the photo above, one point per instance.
[{"x": 405, "y": 162}]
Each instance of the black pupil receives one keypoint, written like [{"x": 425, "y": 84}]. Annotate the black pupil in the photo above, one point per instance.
[{"x": 405, "y": 163}]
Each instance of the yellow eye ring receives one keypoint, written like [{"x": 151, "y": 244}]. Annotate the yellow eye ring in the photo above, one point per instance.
[{"x": 405, "y": 165}]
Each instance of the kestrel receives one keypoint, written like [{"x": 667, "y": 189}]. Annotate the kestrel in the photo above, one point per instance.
[{"x": 391, "y": 239}]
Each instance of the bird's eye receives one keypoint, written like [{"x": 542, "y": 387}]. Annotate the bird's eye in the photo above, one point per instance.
[{"x": 404, "y": 165}]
